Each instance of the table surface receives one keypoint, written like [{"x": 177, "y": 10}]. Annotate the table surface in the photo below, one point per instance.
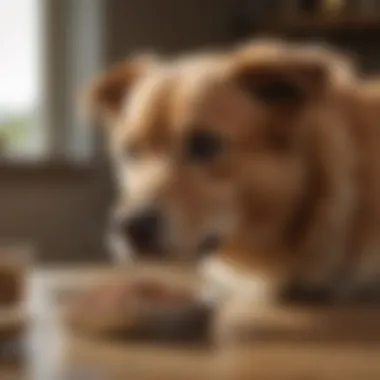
[{"x": 293, "y": 343}]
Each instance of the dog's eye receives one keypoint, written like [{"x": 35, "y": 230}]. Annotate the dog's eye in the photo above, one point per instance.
[{"x": 202, "y": 146}]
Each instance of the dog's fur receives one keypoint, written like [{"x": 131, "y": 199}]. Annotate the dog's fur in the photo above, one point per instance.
[{"x": 294, "y": 192}]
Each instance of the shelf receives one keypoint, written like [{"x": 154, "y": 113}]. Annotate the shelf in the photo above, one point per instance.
[
  {"x": 321, "y": 25},
  {"x": 46, "y": 169}
]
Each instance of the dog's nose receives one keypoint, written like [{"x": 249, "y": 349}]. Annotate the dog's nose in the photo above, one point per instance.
[{"x": 143, "y": 229}]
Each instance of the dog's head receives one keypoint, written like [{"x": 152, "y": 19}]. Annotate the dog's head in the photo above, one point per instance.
[{"x": 207, "y": 146}]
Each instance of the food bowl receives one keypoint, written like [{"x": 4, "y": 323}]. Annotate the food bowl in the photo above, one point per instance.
[{"x": 140, "y": 310}]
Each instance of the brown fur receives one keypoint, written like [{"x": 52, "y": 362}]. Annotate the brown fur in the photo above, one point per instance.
[{"x": 299, "y": 179}]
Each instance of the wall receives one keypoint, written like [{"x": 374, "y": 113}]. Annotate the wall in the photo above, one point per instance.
[
  {"x": 167, "y": 26},
  {"x": 62, "y": 210}
]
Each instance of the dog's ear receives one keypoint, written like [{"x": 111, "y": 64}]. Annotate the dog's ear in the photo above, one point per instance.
[
  {"x": 285, "y": 76},
  {"x": 281, "y": 83},
  {"x": 105, "y": 96}
]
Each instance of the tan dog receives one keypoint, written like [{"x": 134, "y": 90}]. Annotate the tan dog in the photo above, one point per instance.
[{"x": 271, "y": 148}]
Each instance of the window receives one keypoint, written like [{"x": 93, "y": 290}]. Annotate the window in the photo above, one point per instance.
[
  {"x": 48, "y": 49},
  {"x": 20, "y": 132}
]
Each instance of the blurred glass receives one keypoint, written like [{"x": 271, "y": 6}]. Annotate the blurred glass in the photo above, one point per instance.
[{"x": 20, "y": 131}]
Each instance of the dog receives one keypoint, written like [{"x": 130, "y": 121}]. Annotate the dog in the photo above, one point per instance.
[{"x": 267, "y": 152}]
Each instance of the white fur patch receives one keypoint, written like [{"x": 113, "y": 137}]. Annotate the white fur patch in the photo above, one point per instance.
[{"x": 223, "y": 281}]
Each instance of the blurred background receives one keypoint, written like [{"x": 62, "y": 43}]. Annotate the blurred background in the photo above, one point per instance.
[{"x": 55, "y": 186}]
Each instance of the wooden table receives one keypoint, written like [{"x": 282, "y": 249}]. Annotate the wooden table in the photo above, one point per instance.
[{"x": 292, "y": 343}]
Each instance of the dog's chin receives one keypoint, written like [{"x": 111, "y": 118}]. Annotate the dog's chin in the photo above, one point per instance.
[{"x": 122, "y": 251}]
